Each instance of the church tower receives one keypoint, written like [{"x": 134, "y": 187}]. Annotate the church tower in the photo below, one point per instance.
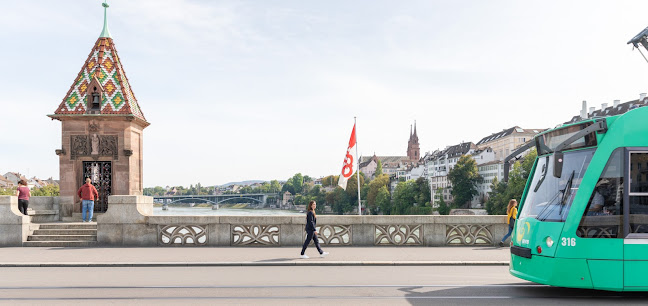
[
  {"x": 413, "y": 150},
  {"x": 102, "y": 126}
]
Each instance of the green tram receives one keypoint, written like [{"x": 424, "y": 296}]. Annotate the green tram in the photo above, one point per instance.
[{"x": 583, "y": 218}]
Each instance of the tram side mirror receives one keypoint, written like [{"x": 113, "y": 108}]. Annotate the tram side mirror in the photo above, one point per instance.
[{"x": 558, "y": 164}]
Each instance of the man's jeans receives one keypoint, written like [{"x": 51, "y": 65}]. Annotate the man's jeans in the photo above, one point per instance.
[{"x": 88, "y": 206}]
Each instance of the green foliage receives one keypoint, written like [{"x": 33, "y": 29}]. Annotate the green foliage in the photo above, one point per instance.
[
  {"x": 379, "y": 170},
  {"x": 8, "y": 191},
  {"x": 294, "y": 184},
  {"x": 46, "y": 191},
  {"x": 444, "y": 208},
  {"x": 373, "y": 189},
  {"x": 330, "y": 181},
  {"x": 502, "y": 192},
  {"x": 339, "y": 201},
  {"x": 352, "y": 186},
  {"x": 464, "y": 178},
  {"x": 410, "y": 196},
  {"x": 383, "y": 201}
]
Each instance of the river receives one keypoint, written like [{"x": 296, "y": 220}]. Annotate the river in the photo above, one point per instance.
[{"x": 207, "y": 211}]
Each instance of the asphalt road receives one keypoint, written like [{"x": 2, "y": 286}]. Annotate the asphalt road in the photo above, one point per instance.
[{"x": 294, "y": 285}]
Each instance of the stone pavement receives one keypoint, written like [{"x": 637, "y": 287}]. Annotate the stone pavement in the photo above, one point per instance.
[{"x": 250, "y": 256}]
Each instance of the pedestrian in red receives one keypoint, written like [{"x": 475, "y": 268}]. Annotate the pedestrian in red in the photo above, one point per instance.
[
  {"x": 23, "y": 195},
  {"x": 88, "y": 194}
]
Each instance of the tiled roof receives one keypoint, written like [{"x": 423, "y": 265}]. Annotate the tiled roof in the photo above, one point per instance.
[
  {"x": 386, "y": 159},
  {"x": 507, "y": 132},
  {"x": 460, "y": 149},
  {"x": 104, "y": 64},
  {"x": 494, "y": 162},
  {"x": 611, "y": 110}
]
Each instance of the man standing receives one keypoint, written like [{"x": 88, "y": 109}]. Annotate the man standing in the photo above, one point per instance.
[{"x": 88, "y": 193}]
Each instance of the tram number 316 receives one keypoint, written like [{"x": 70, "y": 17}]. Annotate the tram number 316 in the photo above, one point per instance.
[{"x": 568, "y": 242}]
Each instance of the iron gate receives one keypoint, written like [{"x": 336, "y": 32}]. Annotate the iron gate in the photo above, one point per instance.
[{"x": 100, "y": 172}]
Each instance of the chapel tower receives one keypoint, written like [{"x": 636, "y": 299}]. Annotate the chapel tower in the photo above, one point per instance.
[{"x": 102, "y": 130}]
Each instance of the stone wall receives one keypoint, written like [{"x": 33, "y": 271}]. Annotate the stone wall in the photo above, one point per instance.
[
  {"x": 14, "y": 226},
  {"x": 129, "y": 222}
]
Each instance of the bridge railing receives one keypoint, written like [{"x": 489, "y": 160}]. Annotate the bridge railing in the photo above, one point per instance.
[{"x": 129, "y": 222}]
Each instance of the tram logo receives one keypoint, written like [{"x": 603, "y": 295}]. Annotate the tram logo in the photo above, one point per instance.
[{"x": 521, "y": 231}]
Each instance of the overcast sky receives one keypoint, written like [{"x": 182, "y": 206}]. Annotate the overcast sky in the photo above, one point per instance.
[{"x": 238, "y": 90}]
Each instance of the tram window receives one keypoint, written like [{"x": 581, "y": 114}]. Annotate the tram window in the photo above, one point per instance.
[
  {"x": 639, "y": 214},
  {"x": 638, "y": 185},
  {"x": 603, "y": 217},
  {"x": 550, "y": 198},
  {"x": 638, "y": 195}
]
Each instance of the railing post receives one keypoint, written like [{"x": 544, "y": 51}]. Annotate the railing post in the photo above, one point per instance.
[{"x": 14, "y": 226}]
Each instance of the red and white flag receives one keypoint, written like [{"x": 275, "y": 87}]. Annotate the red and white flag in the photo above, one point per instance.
[{"x": 350, "y": 161}]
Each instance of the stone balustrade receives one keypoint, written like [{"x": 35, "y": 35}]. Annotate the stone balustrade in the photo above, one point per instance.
[
  {"x": 14, "y": 226},
  {"x": 129, "y": 222}
]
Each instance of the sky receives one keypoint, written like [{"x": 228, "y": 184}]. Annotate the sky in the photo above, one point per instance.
[{"x": 243, "y": 90}]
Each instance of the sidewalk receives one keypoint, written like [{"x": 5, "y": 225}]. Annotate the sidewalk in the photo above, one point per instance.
[{"x": 250, "y": 256}]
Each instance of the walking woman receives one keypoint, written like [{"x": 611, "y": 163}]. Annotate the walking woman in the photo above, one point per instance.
[
  {"x": 511, "y": 215},
  {"x": 311, "y": 233},
  {"x": 23, "y": 196}
]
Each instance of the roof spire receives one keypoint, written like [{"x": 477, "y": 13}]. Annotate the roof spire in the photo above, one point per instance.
[
  {"x": 414, "y": 127},
  {"x": 105, "y": 32}
]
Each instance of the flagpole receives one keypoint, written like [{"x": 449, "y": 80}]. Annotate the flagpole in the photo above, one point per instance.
[{"x": 358, "y": 171}]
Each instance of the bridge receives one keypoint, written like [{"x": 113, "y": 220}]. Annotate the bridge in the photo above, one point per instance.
[{"x": 260, "y": 198}]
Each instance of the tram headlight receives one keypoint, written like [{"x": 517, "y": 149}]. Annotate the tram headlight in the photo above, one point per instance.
[{"x": 549, "y": 241}]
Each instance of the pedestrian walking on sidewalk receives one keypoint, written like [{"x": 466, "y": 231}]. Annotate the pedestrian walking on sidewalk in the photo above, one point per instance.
[
  {"x": 23, "y": 195},
  {"x": 311, "y": 233},
  {"x": 88, "y": 194},
  {"x": 511, "y": 216}
]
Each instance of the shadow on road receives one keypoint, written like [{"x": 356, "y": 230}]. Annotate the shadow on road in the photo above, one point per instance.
[{"x": 519, "y": 294}]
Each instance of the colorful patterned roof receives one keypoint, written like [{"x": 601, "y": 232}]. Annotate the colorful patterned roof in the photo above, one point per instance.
[{"x": 104, "y": 63}]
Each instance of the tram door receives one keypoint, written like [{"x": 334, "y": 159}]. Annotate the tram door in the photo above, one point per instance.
[
  {"x": 601, "y": 226},
  {"x": 635, "y": 251}
]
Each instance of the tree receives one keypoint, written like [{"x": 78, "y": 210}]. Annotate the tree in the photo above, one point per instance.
[
  {"x": 379, "y": 169},
  {"x": 46, "y": 191},
  {"x": 330, "y": 180},
  {"x": 374, "y": 187},
  {"x": 502, "y": 192},
  {"x": 497, "y": 200},
  {"x": 423, "y": 196},
  {"x": 464, "y": 178},
  {"x": 403, "y": 198},
  {"x": 275, "y": 186},
  {"x": 339, "y": 201},
  {"x": 8, "y": 191},
  {"x": 297, "y": 182},
  {"x": 444, "y": 209},
  {"x": 383, "y": 200},
  {"x": 352, "y": 186}
]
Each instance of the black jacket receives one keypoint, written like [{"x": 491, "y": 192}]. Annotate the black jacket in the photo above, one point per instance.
[{"x": 311, "y": 222}]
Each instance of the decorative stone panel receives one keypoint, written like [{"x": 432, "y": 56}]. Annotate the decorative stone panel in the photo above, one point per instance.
[
  {"x": 333, "y": 234},
  {"x": 194, "y": 235},
  {"x": 407, "y": 234},
  {"x": 468, "y": 234},
  {"x": 255, "y": 235},
  {"x": 95, "y": 145}
]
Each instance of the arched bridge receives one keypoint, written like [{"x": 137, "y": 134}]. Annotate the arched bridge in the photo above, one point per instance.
[{"x": 260, "y": 198}]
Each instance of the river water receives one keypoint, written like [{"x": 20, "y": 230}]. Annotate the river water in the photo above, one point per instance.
[{"x": 207, "y": 211}]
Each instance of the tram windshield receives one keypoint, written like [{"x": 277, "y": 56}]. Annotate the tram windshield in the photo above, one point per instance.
[
  {"x": 548, "y": 142},
  {"x": 549, "y": 198}
]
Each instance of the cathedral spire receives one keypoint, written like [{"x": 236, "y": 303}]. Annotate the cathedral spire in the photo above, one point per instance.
[
  {"x": 105, "y": 32},
  {"x": 415, "y": 128}
]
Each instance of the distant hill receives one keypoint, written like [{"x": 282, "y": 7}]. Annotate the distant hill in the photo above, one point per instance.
[{"x": 243, "y": 183}]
